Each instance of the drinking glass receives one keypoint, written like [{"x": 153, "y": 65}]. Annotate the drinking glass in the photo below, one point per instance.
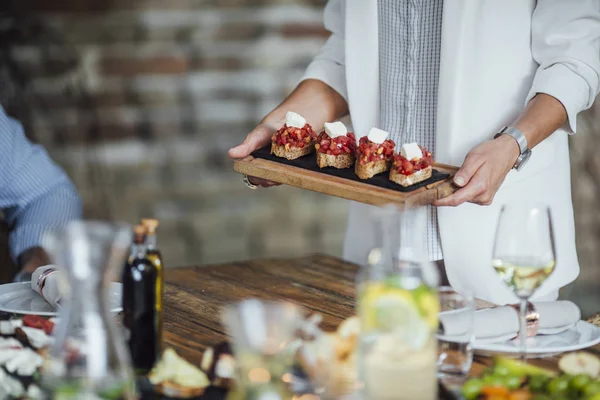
[
  {"x": 263, "y": 336},
  {"x": 455, "y": 350},
  {"x": 89, "y": 358},
  {"x": 524, "y": 254}
]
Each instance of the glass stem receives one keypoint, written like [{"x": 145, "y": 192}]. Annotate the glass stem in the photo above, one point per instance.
[{"x": 523, "y": 328}]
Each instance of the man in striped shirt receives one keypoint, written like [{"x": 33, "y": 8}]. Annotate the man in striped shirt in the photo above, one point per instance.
[{"x": 35, "y": 196}]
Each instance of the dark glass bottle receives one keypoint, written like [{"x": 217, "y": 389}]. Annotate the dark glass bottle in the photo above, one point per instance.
[
  {"x": 140, "y": 318},
  {"x": 155, "y": 257}
]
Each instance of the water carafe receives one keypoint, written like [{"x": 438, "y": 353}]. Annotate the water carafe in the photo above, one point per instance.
[{"x": 89, "y": 359}]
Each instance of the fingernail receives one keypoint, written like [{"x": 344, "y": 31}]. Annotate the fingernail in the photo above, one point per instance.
[{"x": 459, "y": 180}]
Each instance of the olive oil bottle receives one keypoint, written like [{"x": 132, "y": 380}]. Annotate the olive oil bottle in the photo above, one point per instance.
[
  {"x": 155, "y": 257},
  {"x": 140, "y": 316}
]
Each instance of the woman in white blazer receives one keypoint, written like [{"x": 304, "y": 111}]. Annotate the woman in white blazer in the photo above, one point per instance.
[{"x": 532, "y": 65}]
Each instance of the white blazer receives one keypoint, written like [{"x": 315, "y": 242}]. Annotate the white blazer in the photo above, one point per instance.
[{"x": 495, "y": 56}]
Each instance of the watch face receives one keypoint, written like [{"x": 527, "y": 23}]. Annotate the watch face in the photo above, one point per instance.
[{"x": 522, "y": 160}]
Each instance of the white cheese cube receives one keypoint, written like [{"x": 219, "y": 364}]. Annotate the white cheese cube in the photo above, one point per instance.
[
  {"x": 24, "y": 363},
  {"x": 9, "y": 343},
  {"x": 8, "y": 327},
  {"x": 37, "y": 337},
  {"x": 411, "y": 151},
  {"x": 294, "y": 120},
  {"x": 335, "y": 129},
  {"x": 225, "y": 367},
  {"x": 377, "y": 135}
]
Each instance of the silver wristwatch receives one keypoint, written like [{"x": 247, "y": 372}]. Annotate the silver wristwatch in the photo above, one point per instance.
[{"x": 521, "y": 141}]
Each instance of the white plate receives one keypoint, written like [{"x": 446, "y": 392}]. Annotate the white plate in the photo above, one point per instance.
[
  {"x": 19, "y": 298},
  {"x": 580, "y": 336}
]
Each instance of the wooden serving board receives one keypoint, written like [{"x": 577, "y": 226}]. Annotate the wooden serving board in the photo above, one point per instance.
[{"x": 347, "y": 188}]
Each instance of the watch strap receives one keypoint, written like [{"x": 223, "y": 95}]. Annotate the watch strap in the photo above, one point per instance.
[
  {"x": 517, "y": 135},
  {"x": 524, "y": 152}
]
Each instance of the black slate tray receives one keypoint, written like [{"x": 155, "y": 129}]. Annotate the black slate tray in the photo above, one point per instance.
[{"x": 309, "y": 162}]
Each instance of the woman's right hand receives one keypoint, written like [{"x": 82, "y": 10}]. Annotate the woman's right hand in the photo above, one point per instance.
[
  {"x": 312, "y": 99},
  {"x": 258, "y": 138}
]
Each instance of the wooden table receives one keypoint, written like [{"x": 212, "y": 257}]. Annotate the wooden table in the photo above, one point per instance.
[{"x": 195, "y": 296}]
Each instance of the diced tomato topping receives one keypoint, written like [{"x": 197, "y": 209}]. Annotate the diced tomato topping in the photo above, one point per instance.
[
  {"x": 408, "y": 167},
  {"x": 296, "y": 137},
  {"x": 37, "y": 322},
  {"x": 369, "y": 151},
  {"x": 339, "y": 145}
]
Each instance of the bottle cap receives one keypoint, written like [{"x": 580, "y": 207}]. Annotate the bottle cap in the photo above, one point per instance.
[
  {"x": 150, "y": 224},
  {"x": 139, "y": 233}
]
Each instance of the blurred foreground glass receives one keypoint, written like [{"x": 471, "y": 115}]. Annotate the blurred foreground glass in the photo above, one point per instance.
[
  {"x": 524, "y": 255},
  {"x": 263, "y": 336},
  {"x": 89, "y": 358},
  {"x": 455, "y": 354},
  {"x": 398, "y": 309}
]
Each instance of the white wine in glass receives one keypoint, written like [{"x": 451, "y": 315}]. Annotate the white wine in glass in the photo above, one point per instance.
[{"x": 524, "y": 254}]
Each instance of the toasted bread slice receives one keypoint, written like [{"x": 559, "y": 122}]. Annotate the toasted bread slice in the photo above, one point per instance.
[
  {"x": 409, "y": 180},
  {"x": 171, "y": 389},
  {"x": 341, "y": 161},
  {"x": 369, "y": 170},
  {"x": 292, "y": 152}
]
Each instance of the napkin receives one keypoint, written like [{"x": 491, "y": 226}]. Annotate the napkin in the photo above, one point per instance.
[
  {"x": 502, "y": 323},
  {"x": 44, "y": 281}
]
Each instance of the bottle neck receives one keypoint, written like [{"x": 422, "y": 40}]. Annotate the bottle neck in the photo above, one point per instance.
[
  {"x": 150, "y": 243},
  {"x": 138, "y": 250}
]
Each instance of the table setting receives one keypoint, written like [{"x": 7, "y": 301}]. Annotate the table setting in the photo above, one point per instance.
[{"x": 314, "y": 327}]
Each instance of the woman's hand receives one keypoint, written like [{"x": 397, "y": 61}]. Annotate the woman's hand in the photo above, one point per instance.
[
  {"x": 483, "y": 172},
  {"x": 487, "y": 165},
  {"x": 258, "y": 138},
  {"x": 312, "y": 99}
]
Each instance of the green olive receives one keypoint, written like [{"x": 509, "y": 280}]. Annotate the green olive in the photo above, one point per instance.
[
  {"x": 579, "y": 382},
  {"x": 501, "y": 370},
  {"x": 538, "y": 383},
  {"x": 512, "y": 382},
  {"x": 472, "y": 388},
  {"x": 558, "y": 386},
  {"x": 493, "y": 380},
  {"x": 592, "y": 388},
  {"x": 541, "y": 397}
]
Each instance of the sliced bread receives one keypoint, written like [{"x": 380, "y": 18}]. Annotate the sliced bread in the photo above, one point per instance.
[{"x": 409, "y": 180}]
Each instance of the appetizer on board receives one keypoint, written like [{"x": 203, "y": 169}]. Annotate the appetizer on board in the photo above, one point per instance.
[
  {"x": 173, "y": 376},
  {"x": 412, "y": 165},
  {"x": 374, "y": 155},
  {"x": 296, "y": 138},
  {"x": 335, "y": 146}
]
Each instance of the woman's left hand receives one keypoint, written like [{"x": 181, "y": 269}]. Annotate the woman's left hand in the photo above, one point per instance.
[{"x": 482, "y": 172}]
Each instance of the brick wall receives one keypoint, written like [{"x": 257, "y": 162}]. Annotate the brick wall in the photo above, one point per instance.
[{"x": 172, "y": 85}]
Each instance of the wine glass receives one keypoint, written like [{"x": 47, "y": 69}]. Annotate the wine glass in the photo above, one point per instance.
[{"x": 524, "y": 254}]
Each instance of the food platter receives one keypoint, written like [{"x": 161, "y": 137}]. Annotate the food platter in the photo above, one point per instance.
[
  {"x": 304, "y": 173},
  {"x": 19, "y": 298}
]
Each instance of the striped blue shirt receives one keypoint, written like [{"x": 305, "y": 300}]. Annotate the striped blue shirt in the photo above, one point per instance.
[
  {"x": 35, "y": 193},
  {"x": 409, "y": 60}
]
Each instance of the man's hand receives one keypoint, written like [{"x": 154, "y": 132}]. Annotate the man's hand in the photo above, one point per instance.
[
  {"x": 258, "y": 138},
  {"x": 29, "y": 261},
  {"x": 482, "y": 172}
]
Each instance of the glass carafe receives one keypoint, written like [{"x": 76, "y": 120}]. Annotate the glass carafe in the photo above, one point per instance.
[
  {"x": 398, "y": 308},
  {"x": 89, "y": 359}
]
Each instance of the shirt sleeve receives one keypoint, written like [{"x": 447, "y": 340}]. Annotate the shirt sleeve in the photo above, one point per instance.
[
  {"x": 35, "y": 194},
  {"x": 329, "y": 65},
  {"x": 566, "y": 45}
]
